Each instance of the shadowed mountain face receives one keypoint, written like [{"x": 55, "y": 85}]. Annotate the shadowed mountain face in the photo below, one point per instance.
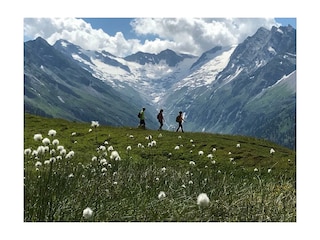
[{"x": 249, "y": 89}]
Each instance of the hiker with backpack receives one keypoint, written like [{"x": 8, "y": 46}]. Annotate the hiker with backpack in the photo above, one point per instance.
[
  {"x": 142, "y": 118},
  {"x": 179, "y": 120},
  {"x": 160, "y": 119}
]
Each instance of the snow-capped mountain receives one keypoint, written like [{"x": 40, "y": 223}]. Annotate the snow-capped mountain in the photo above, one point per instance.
[{"x": 247, "y": 89}]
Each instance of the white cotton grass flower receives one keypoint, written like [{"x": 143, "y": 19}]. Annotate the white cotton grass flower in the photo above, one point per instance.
[
  {"x": 192, "y": 163},
  {"x": 40, "y": 150},
  {"x": 52, "y": 133},
  {"x": 55, "y": 142},
  {"x": 129, "y": 148},
  {"x": 272, "y": 151},
  {"x": 27, "y": 151},
  {"x": 256, "y": 170},
  {"x": 176, "y": 148},
  {"x": 46, "y": 141},
  {"x": 200, "y": 153},
  {"x": 210, "y": 156},
  {"x": 238, "y": 145},
  {"x": 110, "y": 149},
  {"x": 214, "y": 149},
  {"x": 73, "y": 134},
  {"x": 269, "y": 170},
  {"x": 115, "y": 156},
  {"x": 95, "y": 124},
  {"x": 203, "y": 200},
  {"x": 87, "y": 213},
  {"x": 161, "y": 195},
  {"x": 163, "y": 169},
  {"x": 37, "y": 137},
  {"x": 70, "y": 154},
  {"x": 191, "y": 140},
  {"x": 90, "y": 130},
  {"x": 38, "y": 164}
]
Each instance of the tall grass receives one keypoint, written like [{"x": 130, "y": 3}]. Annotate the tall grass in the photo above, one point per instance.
[{"x": 244, "y": 183}]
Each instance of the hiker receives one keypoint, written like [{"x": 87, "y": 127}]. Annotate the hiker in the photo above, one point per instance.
[
  {"x": 141, "y": 117},
  {"x": 160, "y": 119},
  {"x": 179, "y": 120}
]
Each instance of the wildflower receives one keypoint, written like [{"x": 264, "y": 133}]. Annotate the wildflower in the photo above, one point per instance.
[
  {"x": 71, "y": 175},
  {"x": 200, "y": 153},
  {"x": 179, "y": 137},
  {"x": 37, "y": 137},
  {"x": 94, "y": 124},
  {"x": 157, "y": 179},
  {"x": 229, "y": 153},
  {"x": 231, "y": 159},
  {"x": 46, "y": 141},
  {"x": 38, "y": 164},
  {"x": 255, "y": 170},
  {"x": 203, "y": 200},
  {"x": 46, "y": 162},
  {"x": 269, "y": 170},
  {"x": 153, "y": 143},
  {"x": 160, "y": 135},
  {"x": 52, "y": 133},
  {"x": 73, "y": 134},
  {"x": 129, "y": 148},
  {"x": 40, "y": 150},
  {"x": 176, "y": 148},
  {"x": 94, "y": 158},
  {"x": 238, "y": 145},
  {"x": 115, "y": 183},
  {"x": 161, "y": 195},
  {"x": 191, "y": 140},
  {"x": 106, "y": 143},
  {"x": 102, "y": 148},
  {"x": 55, "y": 142},
  {"x": 139, "y": 145},
  {"x": 103, "y": 161},
  {"x": 131, "y": 136},
  {"x": 214, "y": 149},
  {"x": 110, "y": 148},
  {"x": 115, "y": 156},
  {"x": 70, "y": 154},
  {"x": 190, "y": 182},
  {"x": 272, "y": 151},
  {"x": 163, "y": 169},
  {"x": 103, "y": 169},
  {"x": 90, "y": 130},
  {"x": 27, "y": 151},
  {"x": 183, "y": 186},
  {"x": 87, "y": 213},
  {"x": 192, "y": 163},
  {"x": 59, "y": 148},
  {"x": 63, "y": 152},
  {"x": 213, "y": 162},
  {"x": 210, "y": 156}
]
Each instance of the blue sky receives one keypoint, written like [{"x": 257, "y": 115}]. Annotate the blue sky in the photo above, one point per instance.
[{"x": 125, "y": 36}]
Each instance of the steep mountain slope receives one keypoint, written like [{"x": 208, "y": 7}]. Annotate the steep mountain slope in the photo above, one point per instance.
[
  {"x": 255, "y": 70},
  {"x": 57, "y": 86}
]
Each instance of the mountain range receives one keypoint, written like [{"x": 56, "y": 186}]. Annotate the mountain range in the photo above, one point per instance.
[{"x": 247, "y": 89}]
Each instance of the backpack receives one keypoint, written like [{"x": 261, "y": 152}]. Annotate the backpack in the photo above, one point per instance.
[
  {"x": 139, "y": 114},
  {"x": 158, "y": 116},
  {"x": 178, "y": 118}
]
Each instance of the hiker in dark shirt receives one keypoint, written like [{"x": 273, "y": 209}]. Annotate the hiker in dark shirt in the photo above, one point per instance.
[
  {"x": 160, "y": 119},
  {"x": 142, "y": 119},
  {"x": 179, "y": 119}
]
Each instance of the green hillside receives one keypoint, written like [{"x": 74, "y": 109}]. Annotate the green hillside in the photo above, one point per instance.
[{"x": 245, "y": 179}]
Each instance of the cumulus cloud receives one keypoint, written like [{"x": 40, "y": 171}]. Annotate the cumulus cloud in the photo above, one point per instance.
[{"x": 188, "y": 35}]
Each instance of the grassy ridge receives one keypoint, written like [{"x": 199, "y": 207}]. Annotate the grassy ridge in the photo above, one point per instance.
[{"x": 242, "y": 179}]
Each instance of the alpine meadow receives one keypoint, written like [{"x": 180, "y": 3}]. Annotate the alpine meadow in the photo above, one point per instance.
[{"x": 79, "y": 172}]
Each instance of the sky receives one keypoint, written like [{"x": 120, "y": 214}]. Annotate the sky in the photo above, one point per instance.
[{"x": 125, "y": 36}]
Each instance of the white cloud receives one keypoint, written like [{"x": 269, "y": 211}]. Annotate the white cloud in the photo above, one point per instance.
[{"x": 188, "y": 35}]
